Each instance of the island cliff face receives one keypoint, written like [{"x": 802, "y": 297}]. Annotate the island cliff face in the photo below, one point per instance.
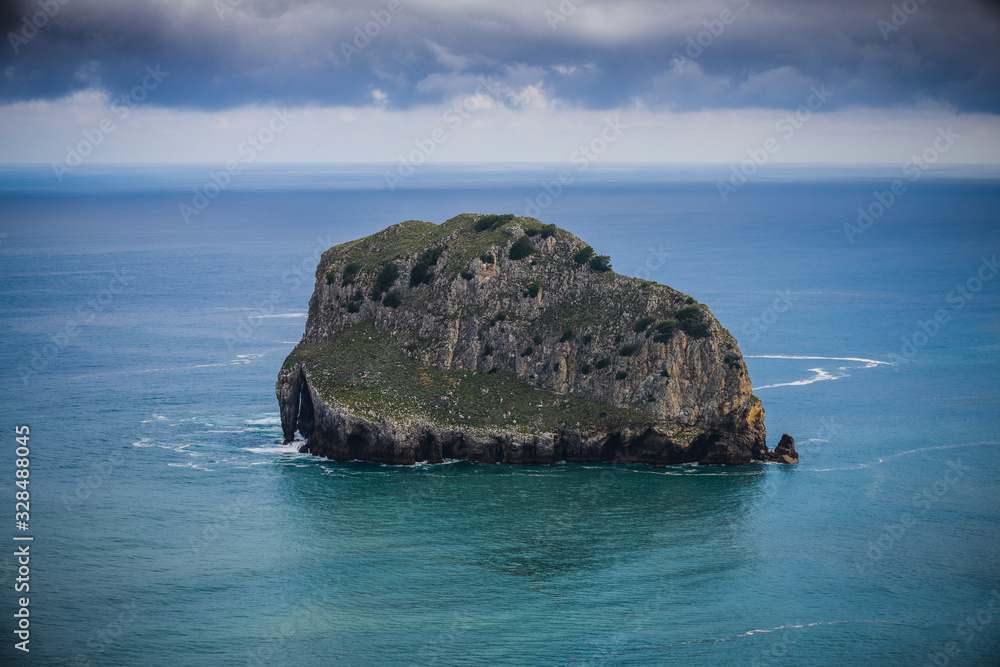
[{"x": 502, "y": 340}]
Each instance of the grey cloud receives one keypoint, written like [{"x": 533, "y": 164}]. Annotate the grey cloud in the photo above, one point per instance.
[{"x": 603, "y": 54}]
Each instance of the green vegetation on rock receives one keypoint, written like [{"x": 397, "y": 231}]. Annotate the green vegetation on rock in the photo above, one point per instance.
[
  {"x": 493, "y": 221},
  {"x": 521, "y": 248},
  {"x": 643, "y": 324},
  {"x": 583, "y": 255},
  {"x": 689, "y": 321},
  {"x": 665, "y": 330},
  {"x": 422, "y": 271},
  {"x": 600, "y": 263},
  {"x": 364, "y": 370},
  {"x": 385, "y": 279},
  {"x": 393, "y": 299}
]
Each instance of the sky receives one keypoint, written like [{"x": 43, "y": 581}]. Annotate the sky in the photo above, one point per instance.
[{"x": 413, "y": 81}]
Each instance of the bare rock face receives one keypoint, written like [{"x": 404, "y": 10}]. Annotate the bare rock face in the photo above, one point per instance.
[
  {"x": 503, "y": 340},
  {"x": 785, "y": 451}
]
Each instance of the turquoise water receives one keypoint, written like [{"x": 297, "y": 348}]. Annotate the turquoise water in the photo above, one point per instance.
[{"x": 171, "y": 526}]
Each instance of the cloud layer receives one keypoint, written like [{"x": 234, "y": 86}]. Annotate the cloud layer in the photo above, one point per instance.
[{"x": 677, "y": 55}]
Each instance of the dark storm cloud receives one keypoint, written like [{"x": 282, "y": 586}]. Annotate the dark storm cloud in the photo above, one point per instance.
[{"x": 680, "y": 54}]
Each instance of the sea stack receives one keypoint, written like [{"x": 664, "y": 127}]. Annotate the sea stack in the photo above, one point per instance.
[{"x": 500, "y": 339}]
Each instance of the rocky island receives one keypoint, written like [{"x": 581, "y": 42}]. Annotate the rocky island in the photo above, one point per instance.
[{"x": 500, "y": 339}]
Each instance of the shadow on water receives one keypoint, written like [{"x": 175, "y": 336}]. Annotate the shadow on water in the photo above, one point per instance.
[{"x": 534, "y": 522}]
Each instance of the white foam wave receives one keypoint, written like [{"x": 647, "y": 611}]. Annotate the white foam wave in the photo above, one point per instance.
[
  {"x": 871, "y": 362},
  {"x": 819, "y": 377},
  {"x": 276, "y": 315},
  {"x": 820, "y": 374},
  {"x": 290, "y": 448},
  {"x": 189, "y": 464},
  {"x": 265, "y": 421},
  {"x": 749, "y": 633},
  {"x": 907, "y": 453}
]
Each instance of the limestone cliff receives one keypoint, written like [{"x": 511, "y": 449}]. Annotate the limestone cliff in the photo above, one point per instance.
[{"x": 500, "y": 339}]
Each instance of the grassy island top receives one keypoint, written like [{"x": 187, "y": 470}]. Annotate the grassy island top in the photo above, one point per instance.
[{"x": 466, "y": 236}]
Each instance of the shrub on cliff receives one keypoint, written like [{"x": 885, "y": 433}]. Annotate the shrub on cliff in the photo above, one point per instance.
[
  {"x": 533, "y": 289},
  {"x": 664, "y": 330},
  {"x": 583, "y": 255},
  {"x": 689, "y": 321},
  {"x": 493, "y": 221},
  {"x": 421, "y": 272},
  {"x": 628, "y": 350},
  {"x": 643, "y": 324},
  {"x": 520, "y": 249},
  {"x": 600, "y": 263},
  {"x": 385, "y": 279},
  {"x": 350, "y": 273},
  {"x": 393, "y": 299}
]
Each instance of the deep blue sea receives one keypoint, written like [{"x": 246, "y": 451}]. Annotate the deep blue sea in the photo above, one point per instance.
[{"x": 171, "y": 527}]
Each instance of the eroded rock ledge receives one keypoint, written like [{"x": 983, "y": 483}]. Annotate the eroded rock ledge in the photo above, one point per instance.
[{"x": 431, "y": 342}]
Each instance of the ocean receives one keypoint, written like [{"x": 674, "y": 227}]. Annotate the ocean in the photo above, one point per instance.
[{"x": 171, "y": 526}]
